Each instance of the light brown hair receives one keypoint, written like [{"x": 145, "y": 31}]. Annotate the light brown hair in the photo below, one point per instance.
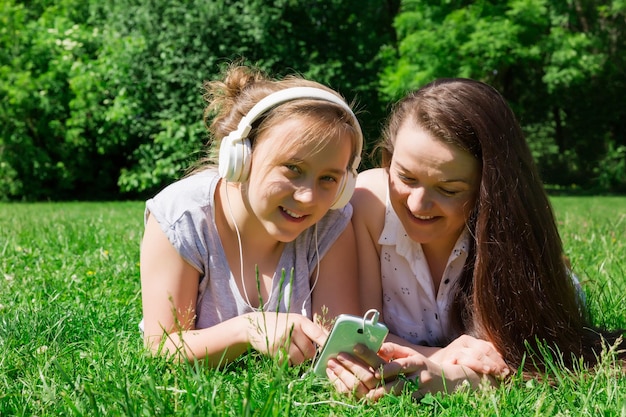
[{"x": 231, "y": 98}]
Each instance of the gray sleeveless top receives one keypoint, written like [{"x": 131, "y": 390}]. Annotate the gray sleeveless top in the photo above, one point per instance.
[{"x": 185, "y": 211}]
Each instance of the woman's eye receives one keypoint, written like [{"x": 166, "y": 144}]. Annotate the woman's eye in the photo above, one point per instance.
[
  {"x": 448, "y": 192},
  {"x": 329, "y": 178},
  {"x": 406, "y": 179}
]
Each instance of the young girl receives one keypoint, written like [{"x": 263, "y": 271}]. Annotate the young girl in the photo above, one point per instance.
[
  {"x": 456, "y": 238},
  {"x": 240, "y": 255}
]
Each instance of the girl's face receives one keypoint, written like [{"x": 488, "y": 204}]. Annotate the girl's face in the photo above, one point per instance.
[
  {"x": 433, "y": 186},
  {"x": 293, "y": 184}
]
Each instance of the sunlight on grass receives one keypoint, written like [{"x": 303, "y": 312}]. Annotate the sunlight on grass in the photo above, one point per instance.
[
  {"x": 593, "y": 230},
  {"x": 70, "y": 303}
]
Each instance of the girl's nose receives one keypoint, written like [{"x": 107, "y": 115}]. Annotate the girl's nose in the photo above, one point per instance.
[{"x": 305, "y": 194}]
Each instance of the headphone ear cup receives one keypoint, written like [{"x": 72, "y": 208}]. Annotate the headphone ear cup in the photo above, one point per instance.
[
  {"x": 344, "y": 196},
  {"x": 234, "y": 162}
]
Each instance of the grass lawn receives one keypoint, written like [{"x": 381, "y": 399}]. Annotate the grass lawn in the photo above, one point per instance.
[{"x": 69, "y": 343}]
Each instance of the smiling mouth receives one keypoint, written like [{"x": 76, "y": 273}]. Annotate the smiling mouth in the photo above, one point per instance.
[
  {"x": 423, "y": 217},
  {"x": 291, "y": 213}
]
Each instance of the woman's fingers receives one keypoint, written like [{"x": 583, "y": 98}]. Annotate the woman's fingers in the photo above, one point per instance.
[
  {"x": 390, "y": 351},
  {"x": 368, "y": 356},
  {"x": 351, "y": 376},
  {"x": 367, "y": 377},
  {"x": 476, "y": 354}
]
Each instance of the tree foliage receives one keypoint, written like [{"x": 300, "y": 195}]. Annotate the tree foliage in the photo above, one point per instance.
[
  {"x": 559, "y": 63},
  {"x": 103, "y": 99}
]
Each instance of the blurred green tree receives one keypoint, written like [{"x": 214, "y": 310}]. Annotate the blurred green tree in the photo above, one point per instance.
[
  {"x": 103, "y": 97},
  {"x": 560, "y": 65}
]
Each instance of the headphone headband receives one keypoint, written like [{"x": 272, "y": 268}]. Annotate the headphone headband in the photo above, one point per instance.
[{"x": 289, "y": 94}]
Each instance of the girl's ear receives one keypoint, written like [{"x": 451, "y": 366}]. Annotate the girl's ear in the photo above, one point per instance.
[{"x": 235, "y": 151}]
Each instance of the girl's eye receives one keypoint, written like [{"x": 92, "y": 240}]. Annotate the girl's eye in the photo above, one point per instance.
[
  {"x": 329, "y": 178},
  {"x": 293, "y": 168}
]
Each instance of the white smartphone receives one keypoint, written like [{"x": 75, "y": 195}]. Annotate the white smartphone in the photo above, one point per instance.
[{"x": 347, "y": 332}]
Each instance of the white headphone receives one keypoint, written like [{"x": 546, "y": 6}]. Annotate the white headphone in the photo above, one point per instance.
[{"x": 236, "y": 150}]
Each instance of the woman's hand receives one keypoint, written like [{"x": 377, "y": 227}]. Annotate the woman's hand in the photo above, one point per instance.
[
  {"x": 367, "y": 375},
  {"x": 475, "y": 354},
  {"x": 270, "y": 333},
  {"x": 356, "y": 374}
]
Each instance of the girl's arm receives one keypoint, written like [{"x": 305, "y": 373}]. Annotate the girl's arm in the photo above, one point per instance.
[{"x": 169, "y": 293}]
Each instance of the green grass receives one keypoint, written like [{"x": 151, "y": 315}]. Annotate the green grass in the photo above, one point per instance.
[{"x": 69, "y": 344}]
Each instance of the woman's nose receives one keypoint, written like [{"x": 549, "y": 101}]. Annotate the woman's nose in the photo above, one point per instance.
[{"x": 418, "y": 200}]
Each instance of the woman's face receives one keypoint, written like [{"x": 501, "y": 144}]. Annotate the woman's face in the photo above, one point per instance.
[
  {"x": 292, "y": 184},
  {"x": 433, "y": 186}
]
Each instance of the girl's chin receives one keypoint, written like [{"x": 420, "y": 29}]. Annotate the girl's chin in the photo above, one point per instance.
[{"x": 285, "y": 235}]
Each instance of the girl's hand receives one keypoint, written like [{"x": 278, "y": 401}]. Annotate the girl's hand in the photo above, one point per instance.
[{"x": 276, "y": 333}]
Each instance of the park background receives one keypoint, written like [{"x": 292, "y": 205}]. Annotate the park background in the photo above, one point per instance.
[{"x": 102, "y": 100}]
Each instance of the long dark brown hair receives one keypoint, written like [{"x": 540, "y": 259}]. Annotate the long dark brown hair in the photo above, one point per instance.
[{"x": 516, "y": 290}]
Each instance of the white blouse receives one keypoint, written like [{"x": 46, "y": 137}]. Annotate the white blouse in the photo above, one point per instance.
[{"x": 411, "y": 309}]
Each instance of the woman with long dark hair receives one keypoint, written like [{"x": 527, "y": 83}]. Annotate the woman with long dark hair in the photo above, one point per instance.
[{"x": 458, "y": 245}]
